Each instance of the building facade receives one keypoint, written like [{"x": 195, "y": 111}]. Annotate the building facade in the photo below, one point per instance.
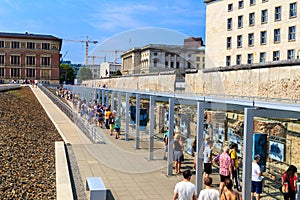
[
  {"x": 159, "y": 58},
  {"x": 29, "y": 56},
  {"x": 108, "y": 69},
  {"x": 251, "y": 31}
]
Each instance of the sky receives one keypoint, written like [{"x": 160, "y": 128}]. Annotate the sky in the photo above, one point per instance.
[{"x": 137, "y": 22}]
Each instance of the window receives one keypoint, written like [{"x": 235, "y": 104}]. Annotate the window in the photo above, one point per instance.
[
  {"x": 30, "y": 45},
  {"x": 155, "y": 53},
  {"x": 198, "y": 58},
  {"x": 251, "y": 19},
  {"x": 228, "y": 45},
  {"x": 46, "y": 46},
  {"x": 250, "y": 39},
  {"x": 278, "y": 13},
  {"x": 2, "y": 72},
  {"x": 15, "y": 60},
  {"x": 230, "y": 7},
  {"x": 2, "y": 59},
  {"x": 276, "y": 55},
  {"x": 238, "y": 59},
  {"x": 240, "y": 21},
  {"x": 263, "y": 1},
  {"x": 293, "y": 10},
  {"x": 228, "y": 60},
  {"x": 229, "y": 24},
  {"x": 239, "y": 41},
  {"x": 241, "y": 4},
  {"x": 15, "y": 72},
  {"x": 291, "y": 54},
  {"x": 250, "y": 58},
  {"x": 1, "y": 44},
  {"x": 262, "y": 57},
  {"x": 292, "y": 33},
  {"x": 30, "y": 73},
  {"x": 15, "y": 45},
  {"x": 277, "y": 35},
  {"x": 263, "y": 37},
  {"x": 252, "y": 2},
  {"x": 264, "y": 16},
  {"x": 30, "y": 60},
  {"x": 45, "y": 61}
]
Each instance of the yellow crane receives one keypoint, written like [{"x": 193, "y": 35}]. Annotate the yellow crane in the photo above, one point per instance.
[{"x": 87, "y": 41}]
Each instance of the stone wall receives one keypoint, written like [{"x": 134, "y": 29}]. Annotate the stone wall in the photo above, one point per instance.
[
  {"x": 275, "y": 82},
  {"x": 153, "y": 82}
]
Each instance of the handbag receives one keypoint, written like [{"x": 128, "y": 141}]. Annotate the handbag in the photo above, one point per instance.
[{"x": 284, "y": 188}]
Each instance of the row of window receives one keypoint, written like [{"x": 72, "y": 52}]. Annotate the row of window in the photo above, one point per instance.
[
  {"x": 29, "y": 73},
  {"x": 263, "y": 37},
  {"x": 262, "y": 57},
  {"x": 29, "y": 45},
  {"x": 264, "y": 16},
  {"x": 252, "y": 3},
  {"x": 29, "y": 60}
]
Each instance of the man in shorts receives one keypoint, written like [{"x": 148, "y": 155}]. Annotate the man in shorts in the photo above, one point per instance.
[
  {"x": 207, "y": 155},
  {"x": 256, "y": 178},
  {"x": 225, "y": 168}
]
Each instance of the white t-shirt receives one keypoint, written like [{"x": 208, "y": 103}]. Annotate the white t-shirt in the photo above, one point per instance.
[
  {"x": 255, "y": 172},
  {"x": 209, "y": 194},
  {"x": 185, "y": 190}
]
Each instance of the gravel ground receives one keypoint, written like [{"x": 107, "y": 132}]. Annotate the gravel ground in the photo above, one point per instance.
[{"x": 27, "y": 149}]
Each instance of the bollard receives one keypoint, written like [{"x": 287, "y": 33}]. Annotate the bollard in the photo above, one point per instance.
[{"x": 96, "y": 187}]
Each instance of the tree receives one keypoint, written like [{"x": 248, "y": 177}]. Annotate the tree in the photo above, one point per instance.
[
  {"x": 118, "y": 73},
  {"x": 66, "y": 74},
  {"x": 84, "y": 73}
]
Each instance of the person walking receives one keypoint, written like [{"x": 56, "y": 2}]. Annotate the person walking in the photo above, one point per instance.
[
  {"x": 225, "y": 170},
  {"x": 178, "y": 152},
  {"x": 117, "y": 126},
  {"x": 289, "y": 178},
  {"x": 107, "y": 114},
  {"x": 229, "y": 193},
  {"x": 209, "y": 192},
  {"x": 235, "y": 165},
  {"x": 256, "y": 178},
  {"x": 165, "y": 139},
  {"x": 207, "y": 155},
  {"x": 185, "y": 190},
  {"x": 112, "y": 122}
]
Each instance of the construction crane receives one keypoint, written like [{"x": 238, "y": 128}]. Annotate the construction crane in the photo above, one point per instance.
[
  {"x": 87, "y": 41},
  {"x": 115, "y": 53},
  {"x": 93, "y": 58}
]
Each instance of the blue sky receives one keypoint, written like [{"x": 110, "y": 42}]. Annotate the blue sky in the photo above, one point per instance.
[{"x": 100, "y": 20}]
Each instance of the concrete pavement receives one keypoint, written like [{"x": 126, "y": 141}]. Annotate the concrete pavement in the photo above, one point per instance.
[{"x": 126, "y": 172}]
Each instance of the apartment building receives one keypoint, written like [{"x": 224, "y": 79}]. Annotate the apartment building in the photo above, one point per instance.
[
  {"x": 29, "y": 56},
  {"x": 241, "y": 32}
]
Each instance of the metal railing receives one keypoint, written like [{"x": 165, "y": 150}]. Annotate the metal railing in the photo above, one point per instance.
[{"x": 89, "y": 130}]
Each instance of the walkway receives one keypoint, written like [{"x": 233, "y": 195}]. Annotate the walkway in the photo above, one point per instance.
[{"x": 126, "y": 172}]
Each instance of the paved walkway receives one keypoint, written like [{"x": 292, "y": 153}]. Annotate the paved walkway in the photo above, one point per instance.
[{"x": 126, "y": 172}]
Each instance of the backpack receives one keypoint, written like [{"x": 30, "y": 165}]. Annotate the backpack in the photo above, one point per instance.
[{"x": 165, "y": 139}]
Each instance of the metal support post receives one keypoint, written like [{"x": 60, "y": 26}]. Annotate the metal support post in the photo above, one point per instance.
[
  {"x": 151, "y": 131},
  {"x": 102, "y": 97},
  {"x": 119, "y": 103},
  {"x": 112, "y": 100},
  {"x": 127, "y": 117},
  {"x": 137, "y": 122},
  {"x": 247, "y": 154},
  {"x": 107, "y": 98},
  {"x": 200, "y": 144},
  {"x": 170, "y": 138}
]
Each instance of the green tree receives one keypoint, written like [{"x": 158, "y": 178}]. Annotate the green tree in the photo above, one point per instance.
[
  {"x": 66, "y": 74},
  {"x": 118, "y": 73},
  {"x": 84, "y": 73}
]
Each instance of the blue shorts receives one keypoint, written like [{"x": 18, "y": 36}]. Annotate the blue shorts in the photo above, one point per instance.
[{"x": 256, "y": 187}]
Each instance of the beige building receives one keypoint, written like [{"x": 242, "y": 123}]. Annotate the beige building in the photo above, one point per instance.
[
  {"x": 240, "y": 32},
  {"x": 159, "y": 58}
]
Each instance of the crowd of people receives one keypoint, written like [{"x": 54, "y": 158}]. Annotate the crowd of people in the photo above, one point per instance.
[{"x": 228, "y": 164}]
